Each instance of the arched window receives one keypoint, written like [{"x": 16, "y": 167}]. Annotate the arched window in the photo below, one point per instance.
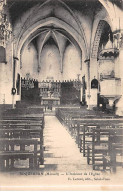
[{"x": 94, "y": 83}]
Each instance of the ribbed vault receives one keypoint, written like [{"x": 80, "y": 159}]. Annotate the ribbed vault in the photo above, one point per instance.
[{"x": 60, "y": 37}]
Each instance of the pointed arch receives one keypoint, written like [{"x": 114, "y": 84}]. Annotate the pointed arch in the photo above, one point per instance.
[
  {"x": 62, "y": 27},
  {"x": 99, "y": 31}
]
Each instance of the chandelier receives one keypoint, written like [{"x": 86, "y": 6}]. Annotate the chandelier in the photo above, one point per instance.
[{"x": 5, "y": 26}]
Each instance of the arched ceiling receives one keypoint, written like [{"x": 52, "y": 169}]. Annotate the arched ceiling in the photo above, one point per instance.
[
  {"x": 49, "y": 9},
  {"x": 42, "y": 10},
  {"x": 30, "y": 18},
  {"x": 60, "y": 38},
  {"x": 24, "y": 5}
]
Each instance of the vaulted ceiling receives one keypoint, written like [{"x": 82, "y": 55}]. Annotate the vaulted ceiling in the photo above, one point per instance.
[
  {"x": 40, "y": 20},
  {"x": 18, "y": 7}
]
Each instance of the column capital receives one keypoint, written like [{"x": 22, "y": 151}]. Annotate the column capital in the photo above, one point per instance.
[
  {"x": 16, "y": 58},
  {"x": 87, "y": 60}
]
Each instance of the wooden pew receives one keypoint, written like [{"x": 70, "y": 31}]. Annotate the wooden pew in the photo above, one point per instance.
[
  {"x": 23, "y": 117},
  {"x": 74, "y": 121},
  {"x": 98, "y": 147},
  {"x": 101, "y": 126},
  {"x": 34, "y": 132},
  {"x": 25, "y": 111},
  {"x": 9, "y": 154},
  {"x": 30, "y": 118},
  {"x": 30, "y": 113},
  {"x": 67, "y": 114},
  {"x": 72, "y": 117},
  {"x": 84, "y": 125},
  {"x": 77, "y": 128},
  {"x": 115, "y": 156},
  {"x": 23, "y": 123},
  {"x": 102, "y": 144},
  {"x": 24, "y": 129}
]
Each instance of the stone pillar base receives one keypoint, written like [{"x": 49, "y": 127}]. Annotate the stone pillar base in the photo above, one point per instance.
[
  {"x": 90, "y": 107},
  {"x": 93, "y": 99}
]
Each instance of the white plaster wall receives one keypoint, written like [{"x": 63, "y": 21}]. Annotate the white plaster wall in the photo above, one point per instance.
[
  {"x": 29, "y": 61},
  {"x": 6, "y": 81},
  {"x": 50, "y": 63},
  {"x": 72, "y": 63},
  {"x": 86, "y": 22},
  {"x": 110, "y": 87},
  {"x": 5, "y": 84},
  {"x": 106, "y": 67}
]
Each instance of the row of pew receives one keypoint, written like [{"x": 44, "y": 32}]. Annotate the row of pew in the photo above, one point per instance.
[
  {"x": 21, "y": 138},
  {"x": 99, "y": 137}
]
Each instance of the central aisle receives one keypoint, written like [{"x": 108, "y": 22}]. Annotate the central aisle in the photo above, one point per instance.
[
  {"x": 64, "y": 166},
  {"x": 61, "y": 153}
]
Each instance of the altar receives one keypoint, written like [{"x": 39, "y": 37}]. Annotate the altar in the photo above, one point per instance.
[
  {"x": 50, "y": 93},
  {"x": 47, "y": 101}
]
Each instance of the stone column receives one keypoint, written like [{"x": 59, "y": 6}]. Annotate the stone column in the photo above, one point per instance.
[
  {"x": 93, "y": 91},
  {"x": 81, "y": 93},
  {"x": 93, "y": 98},
  {"x": 87, "y": 80},
  {"x": 14, "y": 86},
  {"x": 2, "y": 83}
]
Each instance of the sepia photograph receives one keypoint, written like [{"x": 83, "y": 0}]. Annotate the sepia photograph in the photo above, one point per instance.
[{"x": 61, "y": 95}]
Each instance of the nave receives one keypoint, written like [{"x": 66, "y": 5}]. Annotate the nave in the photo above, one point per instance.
[
  {"x": 67, "y": 139},
  {"x": 46, "y": 149},
  {"x": 62, "y": 160},
  {"x": 61, "y": 89}
]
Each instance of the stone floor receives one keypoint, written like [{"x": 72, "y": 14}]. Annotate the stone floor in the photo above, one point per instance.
[{"x": 61, "y": 152}]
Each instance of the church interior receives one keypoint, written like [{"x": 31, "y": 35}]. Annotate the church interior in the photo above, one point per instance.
[{"x": 61, "y": 85}]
